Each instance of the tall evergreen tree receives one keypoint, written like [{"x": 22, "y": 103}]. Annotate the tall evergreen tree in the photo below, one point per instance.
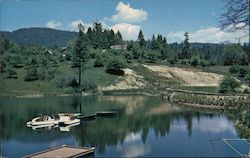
[
  {"x": 141, "y": 39},
  {"x": 111, "y": 37},
  {"x": 80, "y": 50},
  {"x": 186, "y": 47},
  {"x": 118, "y": 38},
  {"x": 97, "y": 40},
  {"x": 153, "y": 43}
]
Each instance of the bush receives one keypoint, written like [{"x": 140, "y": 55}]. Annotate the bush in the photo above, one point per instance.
[
  {"x": 41, "y": 72},
  {"x": 247, "y": 77},
  {"x": 66, "y": 81},
  {"x": 129, "y": 57},
  {"x": 31, "y": 74},
  {"x": 116, "y": 63},
  {"x": 194, "y": 61},
  {"x": 51, "y": 73},
  {"x": 240, "y": 70},
  {"x": 152, "y": 56},
  {"x": 99, "y": 61},
  {"x": 228, "y": 84},
  {"x": 88, "y": 85},
  {"x": 11, "y": 73},
  {"x": 234, "y": 69}
]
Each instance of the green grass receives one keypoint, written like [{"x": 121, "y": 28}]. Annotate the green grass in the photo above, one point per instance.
[
  {"x": 19, "y": 87},
  {"x": 209, "y": 89},
  {"x": 218, "y": 69},
  {"x": 99, "y": 76}
]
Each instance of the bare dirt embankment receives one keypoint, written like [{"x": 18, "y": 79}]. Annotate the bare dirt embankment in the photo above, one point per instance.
[
  {"x": 130, "y": 80},
  {"x": 186, "y": 76},
  {"x": 189, "y": 76}
]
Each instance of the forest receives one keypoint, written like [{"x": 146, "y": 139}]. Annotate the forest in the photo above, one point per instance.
[{"x": 105, "y": 49}]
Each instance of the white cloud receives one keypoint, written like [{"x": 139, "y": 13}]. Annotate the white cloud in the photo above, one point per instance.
[
  {"x": 128, "y": 31},
  {"x": 53, "y": 24},
  {"x": 74, "y": 25},
  {"x": 210, "y": 34},
  {"x": 125, "y": 13}
]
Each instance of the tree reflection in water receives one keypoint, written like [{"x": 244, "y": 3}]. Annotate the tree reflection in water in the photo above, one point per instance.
[{"x": 138, "y": 115}]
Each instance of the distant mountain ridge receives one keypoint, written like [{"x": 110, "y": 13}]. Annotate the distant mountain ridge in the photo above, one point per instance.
[{"x": 39, "y": 36}]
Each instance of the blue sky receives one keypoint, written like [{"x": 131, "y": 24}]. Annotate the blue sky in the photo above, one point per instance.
[{"x": 170, "y": 18}]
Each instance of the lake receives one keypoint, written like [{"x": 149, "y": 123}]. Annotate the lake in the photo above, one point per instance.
[{"x": 146, "y": 126}]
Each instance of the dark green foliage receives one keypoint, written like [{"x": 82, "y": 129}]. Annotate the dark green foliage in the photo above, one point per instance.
[
  {"x": 99, "y": 60},
  {"x": 129, "y": 57},
  {"x": 241, "y": 71},
  {"x": 2, "y": 66},
  {"x": 247, "y": 77},
  {"x": 118, "y": 62},
  {"x": 152, "y": 56},
  {"x": 141, "y": 39},
  {"x": 228, "y": 84},
  {"x": 186, "y": 48},
  {"x": 80, "y": 50},
  {"x": 194, "y": 61},
  {"x": 41, "y": 72},
  {"x": 88, "y": 85},
  {"x": 31, "y": 74},
  {"x": 234, "y": 69},
  {"x": 233, "y": 54},
  {"x": 10, "y": 72}
]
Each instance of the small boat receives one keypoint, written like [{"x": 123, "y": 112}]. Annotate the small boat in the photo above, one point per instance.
[
  {"x": 68, "y": 118},
  {"x": 47, "y": 121},
  {"x": 68, "y": 127},
  {"x": 42, "y": 121}
]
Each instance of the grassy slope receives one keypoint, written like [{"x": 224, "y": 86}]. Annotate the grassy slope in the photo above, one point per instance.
[{"x": 18, "y": 87}]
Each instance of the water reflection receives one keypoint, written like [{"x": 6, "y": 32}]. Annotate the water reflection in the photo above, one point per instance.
[{"x": 146, "y": 126}]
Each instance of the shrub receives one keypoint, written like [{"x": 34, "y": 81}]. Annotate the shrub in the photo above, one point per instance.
[
  {"x": 234, "y": 69},
  {"x": 51, "y": 73},
  {"x": 116, "y": 63},
  {"x": 3, "y": 66},
  {"x": 88, "y": 85},
  {"x": 31, "y": 74},
  {"x": 66, "y": 81},
  {"x": 41, "y": 72},
  {"x": 11, "y": 73},
  {"x": 129, "y": 57},
  {"x": 247, "y": 77},
  {"x": 228, "y": 84},
  {"x": 152, "y": 56},
  {"x": 99, "y": 61},
  {"x": 194, "y": 61},
  {"x": 240, "y": 70}
]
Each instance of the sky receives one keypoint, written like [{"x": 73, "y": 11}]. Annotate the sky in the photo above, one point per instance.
[{"x": 171, "y": 18}]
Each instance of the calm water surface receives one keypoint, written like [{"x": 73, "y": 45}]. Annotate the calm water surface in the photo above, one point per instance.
[{"x": 146, "y": 126}]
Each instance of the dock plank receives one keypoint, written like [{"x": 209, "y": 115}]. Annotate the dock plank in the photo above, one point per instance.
[{"x": 63, "y": 151}]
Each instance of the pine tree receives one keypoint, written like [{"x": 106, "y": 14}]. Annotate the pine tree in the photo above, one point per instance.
[
  {"x": 118, "y": 38},
  {"x": 153, "y": 43},
  {"x": 186, "y": 47},
  {"x": 141, "y": 39},
  {"x": 111, "y": 37},
  {"x": 80, "y": 50}
]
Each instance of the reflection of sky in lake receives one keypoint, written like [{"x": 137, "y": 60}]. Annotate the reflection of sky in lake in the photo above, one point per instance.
[
  {"x": 178, "y": 142},
  {"x": 216, "y": 124},
  {"x": 146, "y": 127}
]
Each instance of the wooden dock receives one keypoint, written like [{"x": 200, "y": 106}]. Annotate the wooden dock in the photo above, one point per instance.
[{"x": 64, "y": 151}]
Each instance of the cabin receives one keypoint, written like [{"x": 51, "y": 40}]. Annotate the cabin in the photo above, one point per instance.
[{"x": 119, "y": 47}]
